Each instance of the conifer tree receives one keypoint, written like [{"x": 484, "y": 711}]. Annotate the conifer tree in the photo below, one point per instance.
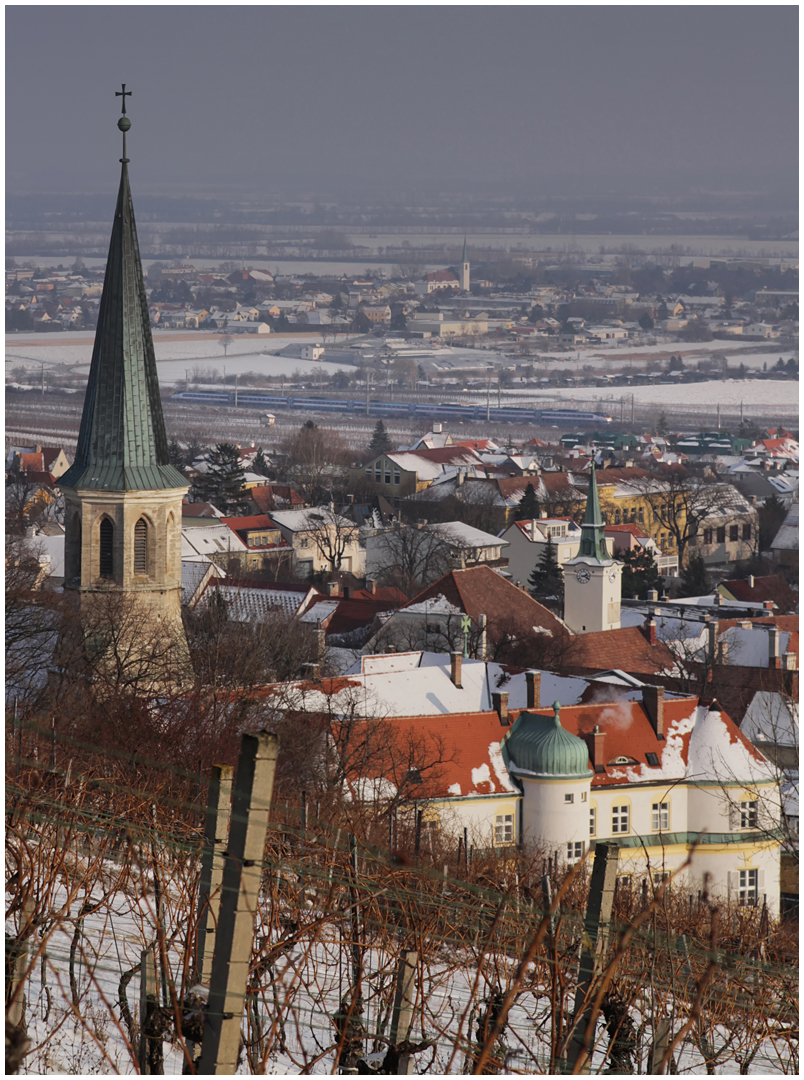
[
  {"x": 694, "y": 578},
  {"x": 222, "y": 481},
  {"x": 528, "y": 505},
  {"x": 640, "y": 573},
  {"x": 260, "y": 464},
  {"x": 380, "y": 440},
  {"x": 546, "y": 581}
]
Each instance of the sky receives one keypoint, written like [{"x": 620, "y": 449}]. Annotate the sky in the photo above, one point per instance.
[{"x": 637, "y": 99}]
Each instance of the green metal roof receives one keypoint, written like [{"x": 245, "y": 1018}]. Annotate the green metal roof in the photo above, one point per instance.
[
  {"x": 541, "y": 745},
  {"x": 122, "y": 443},
  {"x": 593, "y": 542}
]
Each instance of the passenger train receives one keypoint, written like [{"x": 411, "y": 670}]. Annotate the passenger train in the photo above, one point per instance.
[{"x": 435, "y": 409}]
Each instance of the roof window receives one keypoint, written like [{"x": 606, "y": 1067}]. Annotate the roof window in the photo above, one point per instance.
[{"x": 652, "y": 759}]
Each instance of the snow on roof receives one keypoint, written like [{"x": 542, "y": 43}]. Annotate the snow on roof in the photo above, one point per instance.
[
  {"x": 786, "y": 538},
  {"x": 299, "y": 520},
  {"x": 436, "y": 605},
  {"x": 771, "y": 718},
  {"x": 457, "y": 532},
  {"x": 320, "y": 611},
  {"x": 209, "y": 540}
]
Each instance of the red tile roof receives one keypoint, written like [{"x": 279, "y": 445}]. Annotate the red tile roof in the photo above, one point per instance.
[
  {"x": 772, "y": 587},
  {"x": 629, "y": 733},
  {"x": 630, "y": 527},
  {"x": 481, "y": 591},
  {"x": 457, "y": 454},
  {"x": 450, "y": 752},
  {"x": 626, "y": 649},
  {"x": 254, "y": 521},
  {"x": 276, "y": 497}
]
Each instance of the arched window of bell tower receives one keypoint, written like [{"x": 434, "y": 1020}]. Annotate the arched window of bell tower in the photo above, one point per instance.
[
  {"x": 141, "y": 547},
  {"x": 106, "y": 548}
]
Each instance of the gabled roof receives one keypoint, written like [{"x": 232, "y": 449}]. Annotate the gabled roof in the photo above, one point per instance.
[
  {"x": 481, "y": 591},
  {"x": 275, "y": 497},
  {"x": 772, "y": 587},
  {"x": 256, "y": 599}
]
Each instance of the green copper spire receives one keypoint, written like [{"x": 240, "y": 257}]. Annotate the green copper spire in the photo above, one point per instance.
[
  {"x": 122, "y": 443},
  {"x": 593, "y": 543},
  {"x": 464, "y": 258}
]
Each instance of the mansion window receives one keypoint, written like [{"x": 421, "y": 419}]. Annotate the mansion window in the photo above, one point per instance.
[
  {"x": 707, "y": 536},
  {"x": 660, "y": 816},
  {"x": 574, "y": 852},
  {"x": 619, "y": 819},
  {"x": 721, "y": 534},
  {"x": 304, "y": 542},
  {"x": 569, "y": 798},
  {"x": 746, "y": 532},
  {"x": 504, "y": 829},
  {"x": 593, "y": 821},
  {"x": 734, "y": 533},
  {"x": 748, "y": 814},
  {"x": 747, "y": 887}
]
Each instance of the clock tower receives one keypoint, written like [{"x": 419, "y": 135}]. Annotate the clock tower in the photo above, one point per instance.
[{"x": 592, "y": 580}]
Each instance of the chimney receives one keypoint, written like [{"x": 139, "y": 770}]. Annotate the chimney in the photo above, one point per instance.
[
  {"x": 768, "y": 605},
  {"x": 455, "y": 662},
  {"x": 482, "y": 644},
  {"x": 750, "y": 581},
  {"x": 499, "y": 702},
  {"x": 649, "y": 630},
  {"x": 653, "y": 596},
  {"x": 334, "y": 588},
  {"x": 371, "y": 585},
  {"x": 789, "y": 661},
  {"x": 711, "y": 651},
  {"x": 653, "y": 703},
  {"x": 461, "y": 476},
  {"x": 594, "y": 741},
  {"x": 312, "y": 672},
  {"x": 391, "y": 649},
  {"x": 723, "y": 652},
  {"x": 746, "y": 624},
  {"x": 320, "y": 642},
  {"x": 533, "y": 679},
  {"x": 774, "y": 658},
  {"x": 533, "y": 530},
  {"x": 717, "y": 600}
]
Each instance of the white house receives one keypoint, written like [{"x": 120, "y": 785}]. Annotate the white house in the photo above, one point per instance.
[{"x": 314, "y": 532}]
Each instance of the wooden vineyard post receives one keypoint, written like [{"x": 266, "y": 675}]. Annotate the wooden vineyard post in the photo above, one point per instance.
[
  {"x": 242, "y": 872},
  {"x": 596, "y": 924},
  {"x": 216, "y": 832},
  {"x": 151, "y": 1053}
]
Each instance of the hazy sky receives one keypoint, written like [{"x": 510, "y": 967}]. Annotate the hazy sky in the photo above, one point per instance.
[{"x": 637, "y": 99}]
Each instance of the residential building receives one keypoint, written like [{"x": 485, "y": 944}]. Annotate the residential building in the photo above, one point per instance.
[
  {"x": 311, "y": 533},
  {"x": 527, "y": 540},
  {"x": 403, "y": 473},
  {"x": 265, "y": 543}
]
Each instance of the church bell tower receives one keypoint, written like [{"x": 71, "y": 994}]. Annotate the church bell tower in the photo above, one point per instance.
[
  {"x": 592, "y": 580},
  {"x": 123, "y": 497}
]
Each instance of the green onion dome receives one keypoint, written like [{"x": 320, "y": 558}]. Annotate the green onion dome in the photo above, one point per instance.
[{"x": 540, "y": 745}]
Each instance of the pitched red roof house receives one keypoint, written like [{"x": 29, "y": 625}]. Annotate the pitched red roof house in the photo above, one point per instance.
[
  {"x": 268, "y": 497},
  {"x": 757, "y": 590}
]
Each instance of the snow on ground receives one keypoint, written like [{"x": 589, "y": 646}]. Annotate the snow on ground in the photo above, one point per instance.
[{"x": 764, "y": 392}]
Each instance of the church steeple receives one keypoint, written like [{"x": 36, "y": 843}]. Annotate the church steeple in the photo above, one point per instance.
[
  {"x": 464, "y": 268},
  {"x": 122, "y": 496},
  {"x": 593, "y": 541},
  {"x": 122, "y": 443}
]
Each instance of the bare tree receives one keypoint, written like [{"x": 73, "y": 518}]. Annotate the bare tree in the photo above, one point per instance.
[
  {"x": 315, "y": 461},
  {"x": 410, "y": 557},
  {"x": 681, "y": 503},
  {"x": 332, "y": 533}
]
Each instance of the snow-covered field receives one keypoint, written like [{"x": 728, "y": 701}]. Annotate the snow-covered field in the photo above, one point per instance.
[{"x": 764, "y": 392}]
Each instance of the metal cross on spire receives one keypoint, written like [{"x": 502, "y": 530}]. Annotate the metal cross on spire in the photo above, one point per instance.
[
  {"x": 123, "y": 123},
  {"x": 123, "y": 94}
]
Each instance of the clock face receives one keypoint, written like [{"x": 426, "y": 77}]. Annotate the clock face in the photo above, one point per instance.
[
  {"x": 582, "y": 576},
  {"x": 613, "y": 575}
]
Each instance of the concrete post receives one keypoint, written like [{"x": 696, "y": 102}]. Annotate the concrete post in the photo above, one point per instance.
[
  {"x": 216, "y": 832},
  {"x": 402, "y": 1014},
  {"x": 596, "y": 924},
  {"x": 251, "y": 807}
]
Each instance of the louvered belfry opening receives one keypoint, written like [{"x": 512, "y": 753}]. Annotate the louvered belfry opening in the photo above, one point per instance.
[
  {"x": 106, "y": 548},
  {"x": 141, "y": 547}
]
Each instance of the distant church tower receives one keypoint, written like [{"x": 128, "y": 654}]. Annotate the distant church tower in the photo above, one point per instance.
[
  {"x": 464, "y": 269},
  {"x": 592, "y": 581},
  {"x": 123, "y": 497}
]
